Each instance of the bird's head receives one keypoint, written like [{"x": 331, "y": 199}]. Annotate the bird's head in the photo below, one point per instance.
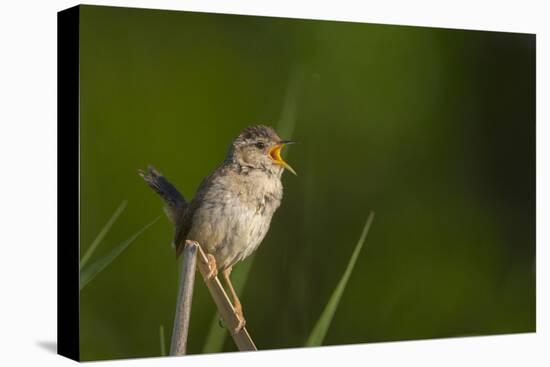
[{"x": 259, "y": 147}]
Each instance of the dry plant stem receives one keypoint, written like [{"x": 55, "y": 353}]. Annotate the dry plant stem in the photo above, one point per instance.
[
  {"x": 225, "y": 308},
  {"x": 185, "y": 298}
]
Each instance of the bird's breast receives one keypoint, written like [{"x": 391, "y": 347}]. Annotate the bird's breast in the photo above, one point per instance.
[{"x": 233, "y": 220}]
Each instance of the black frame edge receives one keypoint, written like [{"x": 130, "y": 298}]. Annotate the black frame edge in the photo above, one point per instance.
[{"x": 68, "y": 216}]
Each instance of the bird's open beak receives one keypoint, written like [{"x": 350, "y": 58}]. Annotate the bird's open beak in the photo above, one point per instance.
[{"x": 275, "y": 155}]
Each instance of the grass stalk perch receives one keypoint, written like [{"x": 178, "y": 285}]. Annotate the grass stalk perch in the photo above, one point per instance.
[
  {"x": 185, "y": 298},
  {"x": 195, "y": 257},
  {"x": 225, "y": 308}
]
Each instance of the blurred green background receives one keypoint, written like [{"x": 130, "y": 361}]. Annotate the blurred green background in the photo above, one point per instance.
[{"x": 433, "y": 129}]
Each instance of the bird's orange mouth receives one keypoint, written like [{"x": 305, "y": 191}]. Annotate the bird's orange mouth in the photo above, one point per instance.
[{"x": 275, "y": 155}]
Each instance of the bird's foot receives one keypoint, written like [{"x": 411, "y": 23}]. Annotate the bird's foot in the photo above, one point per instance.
[
  {"x": 240, "y": 326},
  {"x": 213, "y": 267},
  {"x": 239, "y": 313}
]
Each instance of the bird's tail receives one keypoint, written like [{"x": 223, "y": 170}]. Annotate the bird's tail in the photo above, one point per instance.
[{"x": 175, "y": 203}]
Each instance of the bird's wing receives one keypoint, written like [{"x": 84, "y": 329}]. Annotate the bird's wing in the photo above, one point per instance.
[{"x": 185, "y": 222}]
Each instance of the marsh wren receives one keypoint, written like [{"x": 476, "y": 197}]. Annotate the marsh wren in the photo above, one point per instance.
[{"x": 233, "y": 206}]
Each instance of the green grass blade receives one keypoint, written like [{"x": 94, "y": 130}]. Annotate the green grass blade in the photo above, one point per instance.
[
  {"x": 285, "y": 128},
  {"x": 162, "y": 341},
  {"x": 321, "y": 327},
  {"x": 215, "y": 338},
  {"x": 102, "y": 234},
  {"x": 91, "y": 271}
]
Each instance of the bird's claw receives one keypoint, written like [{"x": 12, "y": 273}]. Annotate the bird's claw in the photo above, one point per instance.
[
  {"x": 240, "y": 325},
  {"x": 212, "y": 265},
  {"x": 240, "y": 317}
]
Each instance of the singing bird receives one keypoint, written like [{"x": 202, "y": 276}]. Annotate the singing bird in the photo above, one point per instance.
[{"x": 233, "y": 206}]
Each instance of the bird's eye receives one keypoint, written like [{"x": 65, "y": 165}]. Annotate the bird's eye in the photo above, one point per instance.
[{"x": 260, "y": 145}]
